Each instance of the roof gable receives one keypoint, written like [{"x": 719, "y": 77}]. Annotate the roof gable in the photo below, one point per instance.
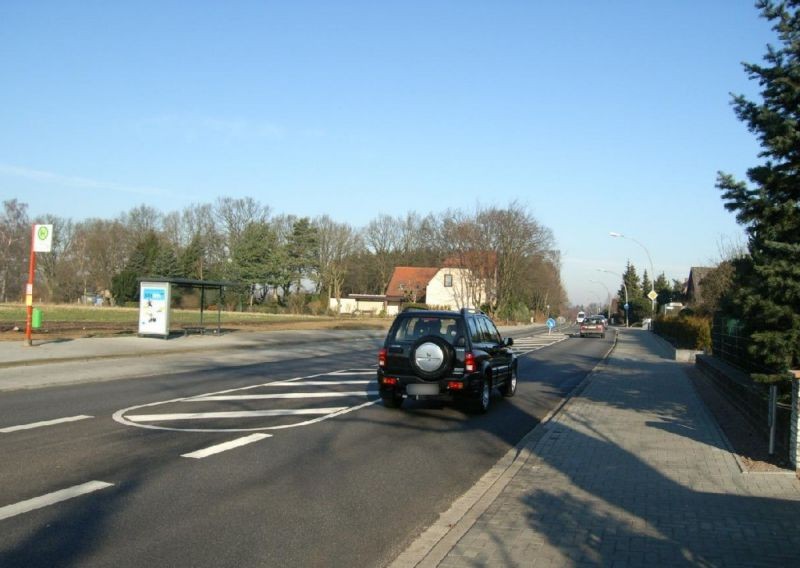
[{"x": 410, "y": 280}]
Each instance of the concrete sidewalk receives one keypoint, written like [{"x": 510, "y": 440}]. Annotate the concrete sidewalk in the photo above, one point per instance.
[{"x": 633, "y": 471}]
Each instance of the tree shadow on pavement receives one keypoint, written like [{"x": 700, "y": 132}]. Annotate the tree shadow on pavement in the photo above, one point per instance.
[
  {"x": 615, "y": 509},
  {"x": 635, "y": 473}
]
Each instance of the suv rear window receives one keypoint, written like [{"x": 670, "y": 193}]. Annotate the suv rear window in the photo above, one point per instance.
[{"x": 412, "y": 328}]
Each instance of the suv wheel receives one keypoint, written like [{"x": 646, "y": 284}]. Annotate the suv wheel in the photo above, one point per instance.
[
  {"x": 481, "y": 404},
  {"x": 509, "y": 388},
  {"x": 432, "y": 357}
]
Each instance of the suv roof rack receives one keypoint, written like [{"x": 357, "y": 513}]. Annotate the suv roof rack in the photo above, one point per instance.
[{"x": 465, "y": 311}]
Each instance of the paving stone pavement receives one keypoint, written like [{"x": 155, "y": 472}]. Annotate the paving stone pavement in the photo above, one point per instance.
[{"x": 634, "y": 472}]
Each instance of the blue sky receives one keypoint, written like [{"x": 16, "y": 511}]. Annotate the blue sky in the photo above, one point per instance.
[{"x": 597, "y": 115}]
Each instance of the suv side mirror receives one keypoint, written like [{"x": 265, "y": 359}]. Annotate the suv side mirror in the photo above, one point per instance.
[{"x": 508, "y": 341}]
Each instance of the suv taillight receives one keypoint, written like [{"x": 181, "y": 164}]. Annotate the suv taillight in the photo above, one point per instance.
[
  {"x": 469, "y": 363},
  {"x": 382, "y": 357}
]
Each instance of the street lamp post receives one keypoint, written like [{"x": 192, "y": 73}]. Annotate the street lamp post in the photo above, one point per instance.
[
  {"x": 652, "y": 270},
  {"x": 624, "y": 287}
]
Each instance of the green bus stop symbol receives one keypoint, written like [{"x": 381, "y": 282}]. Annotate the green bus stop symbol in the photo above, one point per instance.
[{"x": 42, "y": 233}]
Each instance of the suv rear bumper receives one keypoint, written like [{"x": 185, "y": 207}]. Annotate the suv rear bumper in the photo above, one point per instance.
[{"x": 444, "y": 389}]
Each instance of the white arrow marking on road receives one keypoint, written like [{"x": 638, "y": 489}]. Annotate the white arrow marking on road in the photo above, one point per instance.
[
  {"x": 51, "y": 499},
  {"x": 233, "y": 414},
  {"x": 43, "y": 423},
  {"x": 281, "y": 395},
  {"x": 199, "y": 454}
]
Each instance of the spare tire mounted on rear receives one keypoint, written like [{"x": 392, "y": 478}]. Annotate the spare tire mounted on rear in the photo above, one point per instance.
[{"x": 432, "y": 357}]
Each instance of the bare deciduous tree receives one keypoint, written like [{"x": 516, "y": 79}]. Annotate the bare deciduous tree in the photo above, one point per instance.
[
  {"x": 337, "y": 242},
  {"x": 15, "y": 240}
]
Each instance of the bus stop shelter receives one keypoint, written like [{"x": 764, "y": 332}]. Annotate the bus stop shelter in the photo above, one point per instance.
[{"x": 167, "y": 283}]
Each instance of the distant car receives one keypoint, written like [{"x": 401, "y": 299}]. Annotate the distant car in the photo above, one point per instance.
[
  {"x": 593, "y": 326},
  {"x": 580, "y": 317}
]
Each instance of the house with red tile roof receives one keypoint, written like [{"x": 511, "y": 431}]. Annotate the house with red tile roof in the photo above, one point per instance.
[{"x": 447, "y": 288}]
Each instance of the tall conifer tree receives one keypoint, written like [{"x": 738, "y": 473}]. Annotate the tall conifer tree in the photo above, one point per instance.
[{"x": 766, "y": 291}]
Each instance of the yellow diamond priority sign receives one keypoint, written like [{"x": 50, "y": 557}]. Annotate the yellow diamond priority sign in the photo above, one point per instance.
[{"x": 652, "y": 295}]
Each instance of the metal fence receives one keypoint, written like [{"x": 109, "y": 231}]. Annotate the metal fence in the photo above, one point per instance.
[
  {"x": 765, "y": 405},
  {"x": 729, "y": 343}
]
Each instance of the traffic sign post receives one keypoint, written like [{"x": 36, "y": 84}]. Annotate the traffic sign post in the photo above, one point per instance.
[
  {"x": 41, "y": 241},
  {"x": 551, "y": 323},
  {"x": 652, "y": 296}
]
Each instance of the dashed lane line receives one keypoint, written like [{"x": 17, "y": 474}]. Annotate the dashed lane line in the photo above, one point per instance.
[
  {"x": 51, "y": 499},
  {"x": 219, "y": 448},
  {"x": 43, "y": 423}
]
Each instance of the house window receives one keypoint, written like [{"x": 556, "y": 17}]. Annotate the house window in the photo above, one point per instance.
[{"x": 448, "y": 280}]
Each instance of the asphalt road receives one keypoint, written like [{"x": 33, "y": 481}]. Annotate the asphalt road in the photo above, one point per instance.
[{"x": 321, "y": 473}]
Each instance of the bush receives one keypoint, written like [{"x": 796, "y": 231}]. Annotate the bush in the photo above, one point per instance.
[
  {"x": 297, "y": 303},
  {"x": 516, "y": 312},
  {"x": 685, "y": 332},
  {"x": 416, "y": 305}
]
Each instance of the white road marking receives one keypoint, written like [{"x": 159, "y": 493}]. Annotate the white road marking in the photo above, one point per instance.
[
  {"x": 525, "y": 345},
  {"x": 281, "y": 395},
  {"x": 355, "y": 372},
  {"x": 121, "y": 416},
  {"x": 199, "y": 454},
  {"x": 51, "y": 499},
  {"x": 316, "y": 383},
  {"x": 233, "y": 414},
  {"x": 43, "y": 423}
]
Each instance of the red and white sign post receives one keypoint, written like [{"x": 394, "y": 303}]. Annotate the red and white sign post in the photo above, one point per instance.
[{"x": 41, "y": 241}]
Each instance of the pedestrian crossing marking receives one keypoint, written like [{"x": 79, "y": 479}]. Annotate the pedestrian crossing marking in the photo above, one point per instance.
[{"x": 525, "y": 345}]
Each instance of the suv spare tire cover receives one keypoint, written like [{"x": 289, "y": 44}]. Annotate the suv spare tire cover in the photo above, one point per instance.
[{"x": 431, "y": 357}]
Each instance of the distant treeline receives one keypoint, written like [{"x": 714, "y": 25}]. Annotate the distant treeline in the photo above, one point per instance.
[{"x": 282, "y": 259}]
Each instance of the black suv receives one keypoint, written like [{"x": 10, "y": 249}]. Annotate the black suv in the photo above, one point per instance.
[{"x": 443, "y": 355}]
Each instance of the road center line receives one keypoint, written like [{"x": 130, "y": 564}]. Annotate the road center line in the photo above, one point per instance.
[
  {"x": 233, "y": 414},
  {"x": 51, "y": 499},
  {"x": 281, "y": 395},
  {"x": 43, "y": 423},
  {"x": 210, "y": 451}
]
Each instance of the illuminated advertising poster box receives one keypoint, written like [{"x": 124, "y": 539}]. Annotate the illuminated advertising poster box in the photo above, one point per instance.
[{"x": 154, "y": 302}]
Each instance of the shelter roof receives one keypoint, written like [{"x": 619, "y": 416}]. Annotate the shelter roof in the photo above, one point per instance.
[{"x": 188, "y": 282}]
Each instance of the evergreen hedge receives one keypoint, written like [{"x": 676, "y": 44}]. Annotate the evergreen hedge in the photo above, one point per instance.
[{"x": 685, "y": 332}]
